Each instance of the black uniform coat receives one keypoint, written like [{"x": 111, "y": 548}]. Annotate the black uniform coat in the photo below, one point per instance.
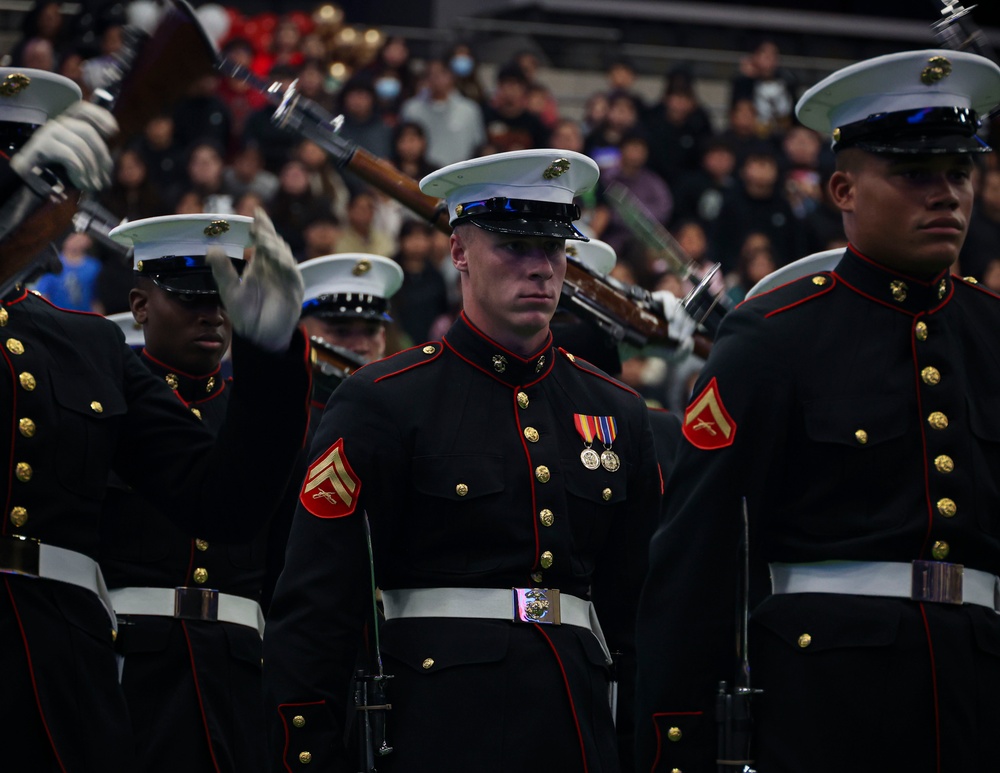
[
  {"x": 857, "y": 411},
  {"x": 192, "y": 687},
  {"x": 438, "y": 445},
  {"x": 79, "y": 404}
]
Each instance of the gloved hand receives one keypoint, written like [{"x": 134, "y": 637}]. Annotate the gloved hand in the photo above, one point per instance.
[
  {"x": 75, "y": 140},
  {"x": 681, "y": 326},
  {"x": 264, "y": 306}
]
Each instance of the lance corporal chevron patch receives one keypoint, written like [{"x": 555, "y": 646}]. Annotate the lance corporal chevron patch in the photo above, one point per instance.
[
  {"x": 331, "y": 488},
  {"x": 707, "y": 423}
]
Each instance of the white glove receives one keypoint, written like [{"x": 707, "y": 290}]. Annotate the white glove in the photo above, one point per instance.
[
  {"x": 75, "y": 140},
  {"x": 266, "y": 303},
  {"x": 681, "y": 326}
]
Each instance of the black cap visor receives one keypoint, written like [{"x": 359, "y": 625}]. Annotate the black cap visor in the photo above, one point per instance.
[
  {"x": 522, "y": 217},
  {"x": 347, "y": 306},
  {"x": 927, "y": 130},
  {"x": 189, "y": 275}
]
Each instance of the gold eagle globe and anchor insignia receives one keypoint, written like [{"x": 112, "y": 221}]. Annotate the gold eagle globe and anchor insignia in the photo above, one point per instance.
[
  {"x": 536, "y": 605},
  {"x": 216, "y": 228},
  {"x": 938, "y": 68},
  {"x": 14, "y": 84},
  {"x": 556, "y": 169},
  {"x": 362, "y": 267}
]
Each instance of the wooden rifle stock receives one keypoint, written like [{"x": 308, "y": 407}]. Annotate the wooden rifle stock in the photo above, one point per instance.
[{"x": 157, "y": 71}]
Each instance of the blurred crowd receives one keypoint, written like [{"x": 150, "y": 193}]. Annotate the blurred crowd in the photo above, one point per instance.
[{"x": 746, "y": 192}]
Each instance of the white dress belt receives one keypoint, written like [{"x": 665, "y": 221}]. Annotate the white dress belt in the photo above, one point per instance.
[
  {"x": 189, "y": 604},
  {"x": 934, "y": 581},
  {"x": 28, "y": 557}
]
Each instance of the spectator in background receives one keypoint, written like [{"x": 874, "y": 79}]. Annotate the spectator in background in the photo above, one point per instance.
[
  {"x": 595, "y": 112},
  {"x": 391, "y": 74},
  {"x": 701, "y": 194},
  {"x": 756, "y": 203},
  {"x": 362, "y": 122},
  {"x": 205, "y": 168},
  {"x": 38, "y": 54},
  {"x": 423, "y": 296},
  {"x": 647, "y": 186},
  {"x": 823, "y": 228},
  {"x": 678, "y": 126},
  {"x": 132, "y": 195},
  {"x": 324, "y": 179},
  {"x": 202, "y": 115},
  {"x": 44, "y": 21},
  {"x": 741, "y": 131},
  {"x": 509, "y": 123},
  {"x": 283, "y": 51},
  {"x": 756, "y": 261},
  {"x": 622, "y": 77},
  {"x": 247, "y": 173},
  {"x": 770, "y": 87},
  {"x": 801, "y": 148},
  {"x": 240, "y": 98},
  {"x": 360, "y": 235},
  {"x": 982, "y": 245},
  {"x": 295, "y": 206},
  {"x": 603, "y": 144},
  {"x": 991, "y": 275},
  {"x": 312, "y": 84},
  {"x": 409, "y": 150},
  {"x": 462, "y": 62},
  {"x": 321, "y": 237},
  {"x": 453, "y": 123},
  {"x": 164, "y": 160},
  {"x": 73, "y": 287},
  {"x": 541, "y": 101}
]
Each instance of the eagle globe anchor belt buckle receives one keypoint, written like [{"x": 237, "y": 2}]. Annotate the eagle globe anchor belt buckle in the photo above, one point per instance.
[
  {"x": 536, "y": 605},
  {"x": 196, "y": 603}
]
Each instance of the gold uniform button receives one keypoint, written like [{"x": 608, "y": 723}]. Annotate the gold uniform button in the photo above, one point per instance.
[
  {"x": 114, "y": 635},
  {"x": 19, "y": 516},
  {"x": 23, "y": 472},
  {"x": 947, "y": 507},
  {"x": 944, "y": 463},
  {"x": 938, "y": 420},
  {"x": 675, "y": 770},
  {"x": 4, "y": 317},
  {"x": 305, "y": 758},
  {"x": 570, "y": 357},
  {"x": 461, "y": 489},
  {"x": 805, "y": 640},
  {"x": 819, "y": 281},
  {"x": 172, "y": 381},
  {"x": 201, "y": 544},
  {"x": 28, "y": 382},
  {"x": 428, "y": 662},
  {"x": 606, "y": 494},
  {"x": 542, "y": 474},
  {"x": 971, "y": 280},
  {"x": 299, "y": 721},
  {"x": 536, "y": 577},
  {"x": 14, "y": 346},
  {"x": 547, "y": 517},
  {"x": 201, "y": 575},
  {"x": 861, "y": 436},
  {"x": 429, "y": 350},
  {"x": 26, "y": 427},
  {"x": 96, "y": 407},
  {"x": 196, "y": 412},
  {"x": 674, "y": 734},
  {"x": 921, "y": 331},
  {"x": 546, "y": 559},
  {"x": 522, "y": 400},
  {"x": 930, "y": 376},
  {"x": 531, "y": 434},
  {"x": 940, "y": 550}
]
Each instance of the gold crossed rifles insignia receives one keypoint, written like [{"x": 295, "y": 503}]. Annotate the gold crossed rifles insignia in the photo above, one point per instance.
[
  {"x": 698, "y": 421},
  {"x": 331, "y": 468}
]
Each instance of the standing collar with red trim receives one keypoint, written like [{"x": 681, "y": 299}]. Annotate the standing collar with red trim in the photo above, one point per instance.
[
  {"x": 192, "y": 389},
  {"x": 485, "y": 354},
  {"x": 907, "y": 293}
]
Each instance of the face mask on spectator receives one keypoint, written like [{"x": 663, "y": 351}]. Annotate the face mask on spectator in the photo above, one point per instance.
[
  {"x": 388, "y": 88},
  {"x": 461, "y": 65}
]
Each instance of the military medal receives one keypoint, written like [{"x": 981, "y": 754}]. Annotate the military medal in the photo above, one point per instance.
[{"x": 603, "y": 428}]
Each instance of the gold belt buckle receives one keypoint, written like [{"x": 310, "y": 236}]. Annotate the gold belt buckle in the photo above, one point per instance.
[
  {"x": 20, "y": 555},
  {"x": 937, "y": 581},
  {"x": 196, "y": 603},
  {"x": 536, "y": 605}
]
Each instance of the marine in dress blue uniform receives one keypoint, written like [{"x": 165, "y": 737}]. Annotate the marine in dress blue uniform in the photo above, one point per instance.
[
  {"x": 855, "y": 410},
  {"x": 478, "y": 464},
  {"x": 81, "y": 404},
  {"x": 188, "y": 608}
]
